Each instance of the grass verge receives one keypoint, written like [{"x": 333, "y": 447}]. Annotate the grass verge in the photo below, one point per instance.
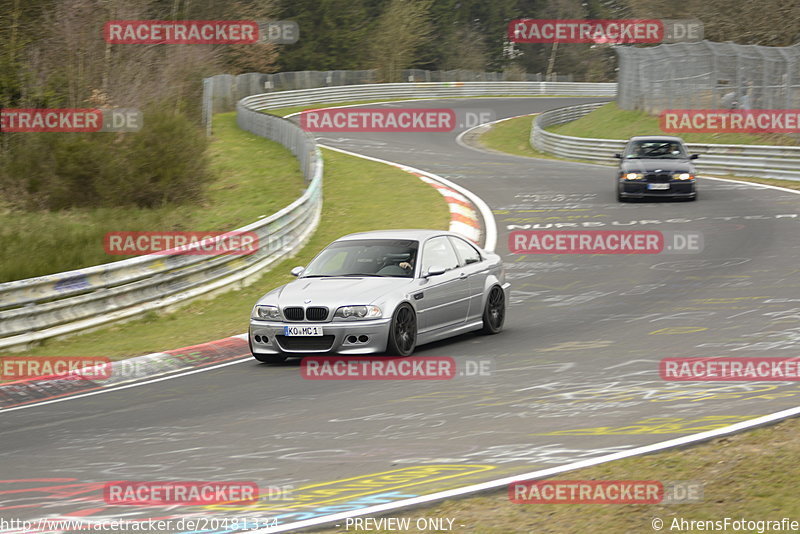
[
  {"x": 512, "y": 136},
  {"x": 254, "y": 178},
  {"x": 610, "y": 122},
  {"x": 396, "y": 200},
  {"x": 732, "y": 470}
]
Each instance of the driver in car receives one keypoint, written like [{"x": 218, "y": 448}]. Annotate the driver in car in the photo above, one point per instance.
[{"x": 402, "y": 268}]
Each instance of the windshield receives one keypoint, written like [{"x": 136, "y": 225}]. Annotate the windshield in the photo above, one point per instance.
[
  {"x": 655, "y": 150},
  {"x": 365, "y": 257}
]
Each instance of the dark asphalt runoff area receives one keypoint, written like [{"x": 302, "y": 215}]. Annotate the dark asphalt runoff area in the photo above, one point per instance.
[{"x": 574, "y": 375}]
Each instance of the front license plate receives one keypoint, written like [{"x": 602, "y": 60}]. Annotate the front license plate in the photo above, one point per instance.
[
  {"x": 302, "y": 330},
  {"x": 657, "y": 186}
]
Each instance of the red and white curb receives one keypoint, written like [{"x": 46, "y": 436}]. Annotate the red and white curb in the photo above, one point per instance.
[{"x": 124, "y": 374}]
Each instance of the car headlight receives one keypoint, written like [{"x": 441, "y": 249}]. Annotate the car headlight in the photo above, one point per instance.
[
  {"x": 358, "y": 312},
  {"x": 266, "y": 312},
  {"x": 683, "y": 176},
  {"x": 633, "y": 176}
]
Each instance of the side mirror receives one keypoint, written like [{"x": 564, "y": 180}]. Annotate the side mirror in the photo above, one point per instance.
[
  {"x": 434, "y": 270},
  {"x": 618, "y": 156},
  {"x": 297, "y": 271},
  {"x": 694, "y": 156}
]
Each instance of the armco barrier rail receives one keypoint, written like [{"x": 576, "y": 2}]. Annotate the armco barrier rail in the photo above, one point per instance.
[
  {"x": 39, "y": 308},
  {"x": 381, "y": 91},
  {"x": 221, "y": 92},
  {"x": 761, "y": 161}
]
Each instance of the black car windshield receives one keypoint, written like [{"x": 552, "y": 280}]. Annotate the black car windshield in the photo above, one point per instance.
[
  {"x": 365, "y": 257},
  {"x": 666, "y": 149}
]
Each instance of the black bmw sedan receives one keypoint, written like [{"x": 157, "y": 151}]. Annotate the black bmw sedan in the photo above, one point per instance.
[{"x": 656, "y": 166}]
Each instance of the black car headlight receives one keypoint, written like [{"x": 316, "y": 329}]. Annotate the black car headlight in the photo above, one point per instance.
[
  {"x": 358, "y": 312},
  {"x": 266, "y": 312},
  {"x": 683, "y": 176},
  {"x": 633, "y": 176}
]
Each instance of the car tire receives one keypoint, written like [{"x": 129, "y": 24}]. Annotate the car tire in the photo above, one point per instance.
[
  {"x": 402, "y": 331},
  {"x": 494, "y": 311},
  {"x": 274, "y": 359}
]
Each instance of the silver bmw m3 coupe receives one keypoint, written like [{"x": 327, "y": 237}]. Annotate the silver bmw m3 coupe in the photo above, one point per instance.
[{"x": 381, "y": 292}]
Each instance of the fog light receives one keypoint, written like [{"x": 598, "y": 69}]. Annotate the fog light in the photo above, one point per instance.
[
  {"x": 351, "y": 339},
  {"x": 258, "y": 339},
  {"x": 363, "y": 339}
]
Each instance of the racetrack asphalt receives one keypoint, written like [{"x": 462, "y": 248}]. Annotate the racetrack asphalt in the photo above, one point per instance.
[{"x": 574, "y": 375}]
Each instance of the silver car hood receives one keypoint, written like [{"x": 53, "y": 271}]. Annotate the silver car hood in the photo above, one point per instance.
[{"x": 335, "y": 291}]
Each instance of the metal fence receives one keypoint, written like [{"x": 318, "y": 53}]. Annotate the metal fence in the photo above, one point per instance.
[
  {"x": 39, "y": 308},
  {"x": 708, "y": 75},
  {"x": 221, "y": 92},
  {"x": 740, "y": 160}
]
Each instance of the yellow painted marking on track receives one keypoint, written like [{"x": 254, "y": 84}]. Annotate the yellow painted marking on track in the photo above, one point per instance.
[
  {"x": 678, "y": 330},
  {"x": 551, "y": 210},
  {"x": 560, "y": 288},
  {"x": 656, "y": 425},
  {"x": 578, "y": 345},
  {"x": 726, "y": 300},
  {"x": 363, "y": 485}
]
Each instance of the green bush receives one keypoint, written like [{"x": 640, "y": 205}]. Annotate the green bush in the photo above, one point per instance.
[{"x": 164, "y": 163}]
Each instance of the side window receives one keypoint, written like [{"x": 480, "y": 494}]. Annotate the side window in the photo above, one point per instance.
[
  {"x": 630, "y": 150},
  {"x": 465, "y": 251},
  {"x": 438, "y": 252}
]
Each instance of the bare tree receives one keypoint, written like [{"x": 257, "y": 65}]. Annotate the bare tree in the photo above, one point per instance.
[
  {"x": 72, "y": 60},
  {"x": 465, "y": 49},
  {"x": 403, "y": 27}
]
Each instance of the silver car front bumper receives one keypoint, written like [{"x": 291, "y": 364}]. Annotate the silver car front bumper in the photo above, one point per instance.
[{"x": 266, "y": 337}]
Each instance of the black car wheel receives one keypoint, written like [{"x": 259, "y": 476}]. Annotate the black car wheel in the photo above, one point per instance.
[
  {"x": 494, "y": 313},
  {"x": 402, "y": 331},
  {"x": 270, "y": 358}
]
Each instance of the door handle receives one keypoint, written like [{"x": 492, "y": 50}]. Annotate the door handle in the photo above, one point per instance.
[{"x": 462, "y": 276}]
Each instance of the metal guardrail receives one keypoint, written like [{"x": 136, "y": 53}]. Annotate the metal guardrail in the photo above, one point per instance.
[
  {"x": 383, "y": 91},
  {"x": 221, "y": 92},
  {"x": 762, "y": 161},
  {"x": 44, "y": 307}
]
